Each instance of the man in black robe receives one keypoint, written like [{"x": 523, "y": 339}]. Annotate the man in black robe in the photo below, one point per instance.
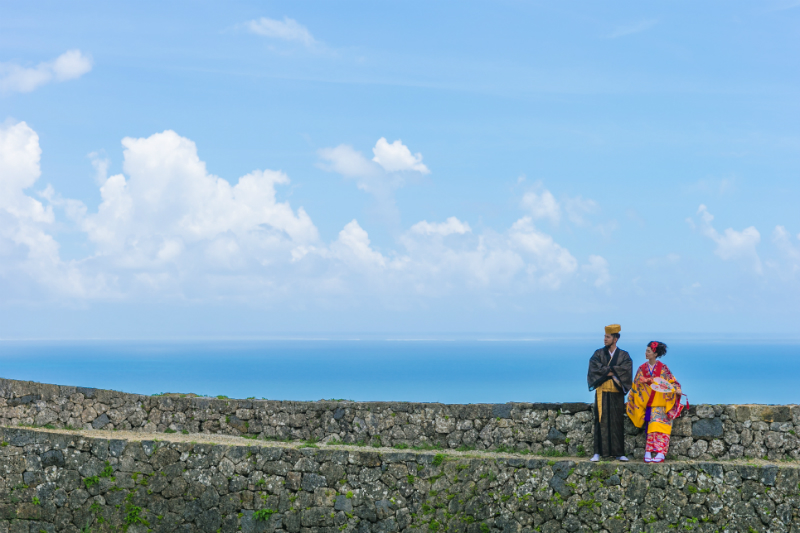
[{"x": 610, "y": 376}]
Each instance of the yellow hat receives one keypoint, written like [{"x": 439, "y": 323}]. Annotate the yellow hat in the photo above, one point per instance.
[{"x": 613, "y": 328}]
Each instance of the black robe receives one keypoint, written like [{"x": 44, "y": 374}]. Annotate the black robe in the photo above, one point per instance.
[{"x": 609, "y": 433}]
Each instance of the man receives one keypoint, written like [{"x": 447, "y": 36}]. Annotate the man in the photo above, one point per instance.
[{"x": 611, "y": 376}]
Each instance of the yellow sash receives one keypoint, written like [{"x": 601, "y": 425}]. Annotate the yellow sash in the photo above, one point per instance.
[{"x": 607, "y": 386}]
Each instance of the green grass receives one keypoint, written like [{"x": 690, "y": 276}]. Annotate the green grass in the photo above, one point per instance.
[
  {"x": 427, "y": 446},
  {"x": 132, "y": 515},
  {"x": 263, "y": 514},
  {"x": 552, "y": 452},
  {"x": 108, "y": 471}
]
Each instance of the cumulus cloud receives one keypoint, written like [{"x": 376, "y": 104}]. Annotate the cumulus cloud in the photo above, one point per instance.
[
  {"x": 396, "y": 157},
  {"x": 70, "y": 65},
  {"x": 450, "y": 226},
  {"x": 381, "y": 176},
  {"x": 353, "y": 247},
  {"x": 167, "y": 228},
  {"x": 166, "y": 202},
  {"x": 284, "y": 30},
  {"x": 550, "y": 262},
  {"x": 27, "y": 249},
  {"x": 390, "y": 161},
  {"x": 522, "y": 256},
  {"x": 542, "y": 205},
  {"x": 731, "y": 244}
]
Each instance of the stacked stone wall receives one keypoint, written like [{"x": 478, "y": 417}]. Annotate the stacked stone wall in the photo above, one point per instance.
[
  {"x": 706, "y": 432},
  {"x": 61, "y": 482}
]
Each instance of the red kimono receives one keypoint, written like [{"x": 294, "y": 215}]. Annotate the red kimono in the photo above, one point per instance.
[{"x": 655, "y": 409}]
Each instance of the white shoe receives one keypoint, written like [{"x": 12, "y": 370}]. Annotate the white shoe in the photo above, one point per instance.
[
  {"x": 595, "y": 458},
  {"x": 659, "y": 458},
  {"x": 622, "y": 458},
  {"x": 648, "y": 457}
]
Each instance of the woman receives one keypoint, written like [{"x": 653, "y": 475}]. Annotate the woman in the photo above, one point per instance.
[{"x": 654, "y": 410}]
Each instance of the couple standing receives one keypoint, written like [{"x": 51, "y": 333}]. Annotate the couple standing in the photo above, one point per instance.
[{"x": 610, "y": 376}]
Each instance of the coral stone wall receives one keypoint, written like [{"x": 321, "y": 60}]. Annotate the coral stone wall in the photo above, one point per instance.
[
  {"x": 706, "y": 432},
  {"x": 61, "y": 482}
]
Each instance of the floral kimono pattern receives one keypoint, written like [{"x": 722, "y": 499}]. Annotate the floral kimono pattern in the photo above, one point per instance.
[{"x": 654, "y": 410}]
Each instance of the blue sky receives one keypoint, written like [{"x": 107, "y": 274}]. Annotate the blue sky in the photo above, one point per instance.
[{"x": 191, "y": 169}]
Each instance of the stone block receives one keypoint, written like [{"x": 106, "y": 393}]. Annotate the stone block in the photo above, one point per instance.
[
  {"x": 502, "y": 410},
  {"x": 311, "y": 482},
  {"x": 101, "y": 421},
  {"x": 707, "y": 428},
  {"x": 556, "y": 437}
]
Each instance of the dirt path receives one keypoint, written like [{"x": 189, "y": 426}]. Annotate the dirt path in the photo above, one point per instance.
[{"x": 230, "y": 440}]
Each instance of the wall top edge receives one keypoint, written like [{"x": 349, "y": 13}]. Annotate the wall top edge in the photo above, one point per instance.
[{"x": 12, "y": 388}]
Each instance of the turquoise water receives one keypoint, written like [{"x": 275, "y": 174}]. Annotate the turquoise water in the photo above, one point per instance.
[{"x": 456, "y": 371}]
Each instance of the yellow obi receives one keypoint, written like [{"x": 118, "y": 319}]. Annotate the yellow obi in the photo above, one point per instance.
[{"x": 607, "y": 386}]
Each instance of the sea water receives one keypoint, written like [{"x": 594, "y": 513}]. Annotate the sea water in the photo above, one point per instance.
[{"x": 442, "y": 370}]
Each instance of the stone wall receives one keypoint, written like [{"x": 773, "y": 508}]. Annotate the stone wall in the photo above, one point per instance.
[
  {"x": 707, "y": 432},
  {"x": 61, "y": 482}
]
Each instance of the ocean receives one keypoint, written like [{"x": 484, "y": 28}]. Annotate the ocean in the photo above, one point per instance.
[{"x": 444, "y": 370}]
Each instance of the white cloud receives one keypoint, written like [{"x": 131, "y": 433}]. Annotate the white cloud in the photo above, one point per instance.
[
  {"x": 450, "y": 226},
  {"x": 19, "y": 169},
  {"x": 522, "y": 257},
  {"x": 732, "y": 244},
  {"x": 396, "y": 157},
  {"x": 348, "y": 162},
  {"x": 285, "y": 30},
  {"x": 380, "y": 177},
  {"x": 542, "y": 205},
  {"x": 169, "y": 203},
  {"x": 100, "y": 167},
  {"x": 70, "y": 65},
  {"x": 26, "y": 247},
  {"x": 389, "y": 161},
  {"x": 549, "y": 262},
  {"x": 630, "y": 29},
  {"x": 167, "y": 228},
  {"x": 353, "y": 246}
]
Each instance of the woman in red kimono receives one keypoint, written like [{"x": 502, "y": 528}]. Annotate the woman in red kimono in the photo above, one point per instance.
[{"x": 654, "y": 410}]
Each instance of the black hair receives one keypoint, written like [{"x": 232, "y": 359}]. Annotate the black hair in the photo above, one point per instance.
[
  {"x": 615, "y": 335},
  {"x": 661, "y": 349}
]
